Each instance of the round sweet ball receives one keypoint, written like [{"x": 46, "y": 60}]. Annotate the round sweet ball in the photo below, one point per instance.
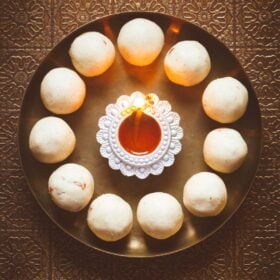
[
  {"x": 140, "y": 41},
  {"x": 205, "y": 194},
  {"x": 62, "y": 91},
  {"x": 160, "y": 215},
  {"x": 110, "y": 217},
  {"x": 51, "y": 140},
  {"x": 225, "y": 100},
  {"x": 92, "y": 54},
  {"x": 224, "y": 150},
  {"x": 187, "y": 63},
  {"x": 71, "y": 187}
]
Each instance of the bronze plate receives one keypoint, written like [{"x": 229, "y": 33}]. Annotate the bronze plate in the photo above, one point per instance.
[{"x": 123, "y": 78}]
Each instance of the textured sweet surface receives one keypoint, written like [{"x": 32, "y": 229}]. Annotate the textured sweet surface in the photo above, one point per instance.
[
  {"x": 224, "y": 150},
  {"x": 110, "y": 217},
  {"x": 92, "y": 53},
  {"x": 51, "y": 140},
  {"x": 140, "y": 41},
  {"x": 71, "y": 187},
  {"x": 187, "y": 63},
  {"x": 33, "y": 248},
  {"x": 160, "y": 215},
  {"x": 205, "y": 194},
  {"x": 225, "y": 100},
  {"x": 62, "y": 91}
]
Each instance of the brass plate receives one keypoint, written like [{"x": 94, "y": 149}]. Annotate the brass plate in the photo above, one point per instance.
[{"x": 123, "y": 78}]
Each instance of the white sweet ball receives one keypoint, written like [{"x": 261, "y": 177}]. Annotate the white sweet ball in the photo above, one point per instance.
[
  {"x": 224, "y": 150},
  {"x": 92, "y": 53},
  {"x": 205, "y": 194},
  {"x": 110, "y": 217},
  {"x": 62, "y": 91},
  {"x": 225, "y": 100},
  {"x": 71, "y": 187},
  {"x": 51, "y": 140},
  {"x": 187, "y": 63},
  {"x": 140, "y": 41},
  {"x": 160, "y": 215}
]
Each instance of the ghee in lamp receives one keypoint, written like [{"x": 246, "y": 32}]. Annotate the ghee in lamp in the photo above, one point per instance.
[{"x": 140, "y": 133}]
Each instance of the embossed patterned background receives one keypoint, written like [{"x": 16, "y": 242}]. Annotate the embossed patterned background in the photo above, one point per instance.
[{"x": 247, "y": 247}]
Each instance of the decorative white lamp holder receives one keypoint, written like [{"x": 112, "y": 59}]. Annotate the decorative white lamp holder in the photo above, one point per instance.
[{"x": 118, "y": 156}]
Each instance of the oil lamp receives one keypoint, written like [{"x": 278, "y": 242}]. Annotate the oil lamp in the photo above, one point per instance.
[{"x": 139, "y": 135}]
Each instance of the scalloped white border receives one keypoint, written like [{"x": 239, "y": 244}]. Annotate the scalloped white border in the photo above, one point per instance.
[{"x": 140, "y": 166}]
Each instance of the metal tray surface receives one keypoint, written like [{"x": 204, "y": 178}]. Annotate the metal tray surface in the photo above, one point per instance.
[{"x": 123, "y": 78}]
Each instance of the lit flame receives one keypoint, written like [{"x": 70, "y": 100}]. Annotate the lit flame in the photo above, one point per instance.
[{"x": 140, "y": 102}]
